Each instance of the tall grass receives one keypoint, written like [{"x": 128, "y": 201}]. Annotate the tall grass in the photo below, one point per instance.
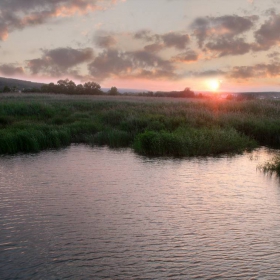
[
  {"x": 172, "y": 129},
  {"x": 192, "y": 142},
  {"x": 272, "y": 166}
]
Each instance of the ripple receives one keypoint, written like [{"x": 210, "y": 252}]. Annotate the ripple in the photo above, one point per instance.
[{"x": 83, "y": 213}]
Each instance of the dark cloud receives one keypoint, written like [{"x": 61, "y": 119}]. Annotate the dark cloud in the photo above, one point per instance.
[
  {"x": 224, "y": 46},
  {"x": 175, "y": 40},
  {"x": 146, "y": 59},
  {"x": 11, "y": 70},
  {"x": 145, "y": 35},
  {"x": 209, "y": 73},
  {"x": 48, "y": 5},
  {"x": 136, "y": 64},
  {"x": 274, "y": 56},
  {"x": 108, "y": 63},
  {"x": 18, "y": 14},
  {"x": 268, "y": 34},
  {"x": 105, "y": 41},
  {"x": 25, "y": 5},
  {"x": 255, "y": 71},
  {"x": 188, "y": 56},
  {"x": 59, "y": 61},
  {"x": 227, "y": 26},
  {"x": 167, "y": 40},
  {"x": 155, "y": 47}
]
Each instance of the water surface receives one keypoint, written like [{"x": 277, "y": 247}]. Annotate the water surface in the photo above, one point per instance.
[{"x": 95, "y": 213}]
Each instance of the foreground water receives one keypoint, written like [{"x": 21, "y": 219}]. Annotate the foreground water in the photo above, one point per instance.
[{"x": 84, "y": 213}]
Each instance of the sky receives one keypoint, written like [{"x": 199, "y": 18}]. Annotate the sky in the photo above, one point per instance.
[{"x": 205, "y": 45}]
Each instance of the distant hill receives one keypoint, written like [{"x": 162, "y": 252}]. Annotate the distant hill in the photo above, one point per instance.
[{"x": 19, "y": 84}]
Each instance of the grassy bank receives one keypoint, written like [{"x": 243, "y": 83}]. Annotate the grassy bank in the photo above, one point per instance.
[{"x": 159, "y": 129}]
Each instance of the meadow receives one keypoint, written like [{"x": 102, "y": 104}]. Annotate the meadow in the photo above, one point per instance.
[{"x": 179, "y": 129}]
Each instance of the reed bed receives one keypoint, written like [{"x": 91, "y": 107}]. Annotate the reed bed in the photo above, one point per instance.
[{"x": 154, "y": 129}]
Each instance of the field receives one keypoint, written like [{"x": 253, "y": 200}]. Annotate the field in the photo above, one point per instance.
[{"x": 150, "y": 126}]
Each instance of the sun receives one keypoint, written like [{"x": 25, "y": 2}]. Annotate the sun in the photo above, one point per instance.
[{"x": 213, "y": 85}]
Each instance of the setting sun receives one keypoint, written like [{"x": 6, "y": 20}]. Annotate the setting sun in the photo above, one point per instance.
[{"x": 213, "y": 85}]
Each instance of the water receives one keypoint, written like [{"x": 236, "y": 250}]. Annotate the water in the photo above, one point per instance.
[{"x": 84, "y": 213}]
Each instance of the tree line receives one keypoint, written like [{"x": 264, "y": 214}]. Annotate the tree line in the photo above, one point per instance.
[
  {"x": 69, "y": 87},
  {"x": 92, "y": 88}
]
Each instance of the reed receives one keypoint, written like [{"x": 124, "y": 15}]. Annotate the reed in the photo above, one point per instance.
[
  {"x": 161, "y": 129},
  {"x": 272, "y": 166},
  {"x": 192, "y": 142}
]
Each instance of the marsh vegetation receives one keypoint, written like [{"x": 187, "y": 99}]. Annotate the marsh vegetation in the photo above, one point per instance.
[{"x": 155, "y": 129}]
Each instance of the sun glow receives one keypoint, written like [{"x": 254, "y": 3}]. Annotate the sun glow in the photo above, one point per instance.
[{"x": 213, "y": 85}]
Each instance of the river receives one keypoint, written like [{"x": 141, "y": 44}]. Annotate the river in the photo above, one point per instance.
[{"x": 96, "y": 213}]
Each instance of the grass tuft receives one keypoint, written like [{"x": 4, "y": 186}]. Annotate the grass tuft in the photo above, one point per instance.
[{"x": 272, "y": 166}]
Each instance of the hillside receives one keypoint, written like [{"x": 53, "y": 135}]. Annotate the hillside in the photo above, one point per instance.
[{"x": 19, "y": 84}]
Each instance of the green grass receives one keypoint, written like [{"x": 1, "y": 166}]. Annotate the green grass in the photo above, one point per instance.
[
  {"x": 155, "y": 129},
  {"x": 192, "y": 142}
]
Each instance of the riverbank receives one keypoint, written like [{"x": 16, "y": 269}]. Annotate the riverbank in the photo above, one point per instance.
[{"x": 151, "y": 126}]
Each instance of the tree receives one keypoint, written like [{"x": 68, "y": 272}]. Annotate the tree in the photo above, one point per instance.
[
  {"x": 113, "y": 91},
  {"x": 92, "y": 88},
  {"x": 6, "y": 89},
  {"x": 71, "y": 87},
  {"x": 80, "y": 89},
  {"x": 187, "y": 92}
]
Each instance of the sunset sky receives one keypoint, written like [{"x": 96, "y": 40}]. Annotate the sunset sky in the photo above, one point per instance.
[{"x": 144, "y": 44}]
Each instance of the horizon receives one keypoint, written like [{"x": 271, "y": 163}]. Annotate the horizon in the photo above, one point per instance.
[
  {"x": 134, "y": 90},
  {"x": 161, "y": 45}
]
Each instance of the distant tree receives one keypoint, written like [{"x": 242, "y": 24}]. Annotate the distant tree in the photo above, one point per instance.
[
  {"x": 29, "y": 90},
  {"x": 200, "y": 95},
  {"x": 92, "y": 88},
  {"x": 113, "y": 91},
  {"x": 52, "y": 88},
  {"x": 187, "y": 92},
  {"x": 80, "y": 89},
  {"x": 69, "y": 87},
  {"x": 45, "y": 88},
  {"x": 6, "y": 89},
  {"x": 230, "y": 97},
  {"x": 62, "y": 85}
]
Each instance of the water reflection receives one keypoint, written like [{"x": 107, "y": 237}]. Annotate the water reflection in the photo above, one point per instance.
[{"x": 83, "y": 213}]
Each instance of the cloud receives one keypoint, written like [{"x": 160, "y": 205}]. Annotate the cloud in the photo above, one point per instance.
[
  {"x": 135, "y": 64},
  {"x": 105, "y": 41},
  {"x": 268, "y": 34},
  {"x": 175, "y": 40},
  {"x": 155, "y": 47},
  {"x": 256, "y": 71},
  {"x": 167, "y": 40},
  {"x": 209, "y": 73},
  {"x": 224, "y": 46},
  {"x": 274, "y": 56},
  {"x": 11, "y": 70},
  {"x": 110, "y": 62},
  {"x": 19, "y": 14},
  {"x": 186, "y": 57},
  {"x": 146, "y": 35},
  {"x": 227, "y": 26},
  {"x": 59, "y": 61}
]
